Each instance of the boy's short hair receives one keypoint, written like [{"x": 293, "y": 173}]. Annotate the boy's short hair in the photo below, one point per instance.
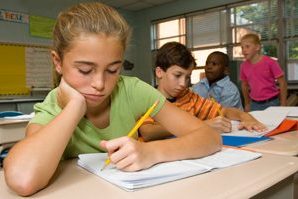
[
  {"x": 174, "y": 53},
  {"x": 253, "y": 37},
  {"x": 224, "y": 56}
]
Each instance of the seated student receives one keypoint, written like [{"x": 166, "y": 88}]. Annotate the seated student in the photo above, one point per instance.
[
  {"x": 174, "y": 64},
  {"x": 94, "y": 107},
  {"x": 217, "y": 83}
]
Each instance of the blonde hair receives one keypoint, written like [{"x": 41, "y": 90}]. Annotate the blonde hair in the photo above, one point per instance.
[
  {"x": 86, "y": 18},
  {"x": 252, "y": 37}
]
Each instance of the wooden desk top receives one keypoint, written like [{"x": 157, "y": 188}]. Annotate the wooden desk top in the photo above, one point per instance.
[
  {"x": 8, "y": 122},
  {"x": 282, "y": 144},
  {"x": 241, "y": 181}
]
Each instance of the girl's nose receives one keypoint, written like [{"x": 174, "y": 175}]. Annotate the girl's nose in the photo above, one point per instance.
[{"x": 98, "y": 82}]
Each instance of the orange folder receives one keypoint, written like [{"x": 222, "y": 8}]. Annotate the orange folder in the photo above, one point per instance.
[{"x": 286, "y": 126}]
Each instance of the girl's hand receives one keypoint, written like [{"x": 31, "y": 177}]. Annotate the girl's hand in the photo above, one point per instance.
[
  {"x": 221, "y": 124},
  {"x": 66, "y": 93},
  {"x": 252, "y": 125},
  {"x": 128, "y": 154}
]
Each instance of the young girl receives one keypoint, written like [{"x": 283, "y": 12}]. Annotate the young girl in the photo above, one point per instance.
[
  {"x": 258, "y": 74},
  {"x": 174, "y": 64},
  {"x": 94, "y": 107}
]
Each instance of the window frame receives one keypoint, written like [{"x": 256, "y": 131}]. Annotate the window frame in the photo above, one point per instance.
[{"x": 280, "y": 21}]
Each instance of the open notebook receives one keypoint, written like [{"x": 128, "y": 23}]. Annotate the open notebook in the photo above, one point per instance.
[{"x": 163, "y": 172}]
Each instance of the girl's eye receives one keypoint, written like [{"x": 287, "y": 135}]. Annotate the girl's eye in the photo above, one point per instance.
[
  {"x": 84, "y": 72},
  {"x": 112, "y": 71}
]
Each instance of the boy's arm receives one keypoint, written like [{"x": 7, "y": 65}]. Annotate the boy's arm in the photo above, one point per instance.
[
  {"x": 283, "y": 90},
  {"x": 245, "y": 92}
]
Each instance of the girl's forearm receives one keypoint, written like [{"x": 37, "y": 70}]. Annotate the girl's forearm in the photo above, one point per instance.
[
  {"x": 31, "y": 163},
  {"x": 199, "y": 143}
]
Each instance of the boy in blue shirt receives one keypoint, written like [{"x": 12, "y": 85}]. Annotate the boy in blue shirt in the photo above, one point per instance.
[{"x": 217, "y": 83}]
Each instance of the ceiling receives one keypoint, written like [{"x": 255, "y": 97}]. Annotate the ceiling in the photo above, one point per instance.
[{"x": 135, "y": 5}]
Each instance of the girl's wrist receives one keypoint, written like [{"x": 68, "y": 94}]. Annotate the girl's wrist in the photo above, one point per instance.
[
  {"x": 154, "y": 150},
  {"x": 78, "y": 106}
]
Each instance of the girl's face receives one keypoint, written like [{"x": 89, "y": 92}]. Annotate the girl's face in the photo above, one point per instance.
[
  {"x": 92, "y": 66},
  {"x": 174, "y": 81},
  {"x": 249, "y": 49}
]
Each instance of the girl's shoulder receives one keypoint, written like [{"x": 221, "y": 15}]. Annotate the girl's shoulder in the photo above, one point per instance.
[
  {"x": 132, "y": 83},
  {"x": 268, "y": 60},
  {"x": 128, "y": 80}
]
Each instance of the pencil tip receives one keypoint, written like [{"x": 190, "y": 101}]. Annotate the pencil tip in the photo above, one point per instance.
[{"x": 104, "y": 166}]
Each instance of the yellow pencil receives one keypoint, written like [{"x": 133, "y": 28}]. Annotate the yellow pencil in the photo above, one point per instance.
[{"x": 135, "y": 128}]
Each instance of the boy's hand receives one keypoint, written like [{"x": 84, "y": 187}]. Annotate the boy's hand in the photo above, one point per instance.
[
  {"x": 220, "y": 123},
  {"x": 66, "y": 93},
  {"x": 247, "y": 108},
  {"x": 128, "y": 154},
  {"x": 252, "y": 125}
]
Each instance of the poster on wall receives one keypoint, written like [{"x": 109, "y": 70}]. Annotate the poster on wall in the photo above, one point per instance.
[
  {"x": 41, "y": 26},
  {"x": 13, "y": 16}
]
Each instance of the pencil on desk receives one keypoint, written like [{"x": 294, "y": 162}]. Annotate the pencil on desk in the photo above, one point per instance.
[
  {"x": 135, "y": 128},
  {"x": 238, "y": 148}
]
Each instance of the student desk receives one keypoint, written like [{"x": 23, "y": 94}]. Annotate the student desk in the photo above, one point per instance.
[
  {"x": 271, "y": 176},
  {"x": 282, "y": 144},
  {"x": 11, "y": 131}
]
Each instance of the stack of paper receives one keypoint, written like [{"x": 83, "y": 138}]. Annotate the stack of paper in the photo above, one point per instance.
[
  {"x": 292, "y": 110},
  {"x": 163, "y": 172}
]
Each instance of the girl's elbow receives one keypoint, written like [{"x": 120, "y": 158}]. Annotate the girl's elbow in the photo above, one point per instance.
[{"x": 22, "y": 182}]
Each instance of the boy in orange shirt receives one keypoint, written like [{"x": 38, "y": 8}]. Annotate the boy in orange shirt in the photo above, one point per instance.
[{"x": 174, "y": 65}]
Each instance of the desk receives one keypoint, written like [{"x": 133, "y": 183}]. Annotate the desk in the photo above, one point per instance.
[
  {"x": 270, "y": 176},
  {"x": 12, "y": 130},
  {"x": 282, "y": 144},
  {"x": 24, "y": 105}
]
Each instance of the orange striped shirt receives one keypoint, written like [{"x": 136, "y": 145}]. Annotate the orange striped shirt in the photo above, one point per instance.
[{"x": 196, "y": 105}]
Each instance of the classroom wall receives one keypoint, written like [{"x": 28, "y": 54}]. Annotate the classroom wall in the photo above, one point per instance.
[
  {"x": 19, "y": 33},
  {"x": 139, "y": 49}
]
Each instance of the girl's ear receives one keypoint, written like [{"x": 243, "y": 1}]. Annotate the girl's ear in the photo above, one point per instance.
[
  {"x": 258, "y": 47},
  {"x": 57, "y": 62},
  {"x": 158, "y": 72}
]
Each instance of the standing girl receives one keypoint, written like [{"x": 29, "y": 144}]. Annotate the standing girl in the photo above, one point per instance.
[
  {"x": 94, "y": 107},
  {"x": 258, "y": 74}
]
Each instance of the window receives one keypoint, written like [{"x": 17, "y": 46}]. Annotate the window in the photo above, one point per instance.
[
  {"x": 291, "y": 37},
  {"x": 172, "y": 30},
  {"x": 207, "y": 29},
  {"x": 220, "y": 29},
  {"x": 259, "y": 18}
]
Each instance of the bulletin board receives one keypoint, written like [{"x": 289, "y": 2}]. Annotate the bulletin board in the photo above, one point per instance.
[{"x": 23, "y": 68}]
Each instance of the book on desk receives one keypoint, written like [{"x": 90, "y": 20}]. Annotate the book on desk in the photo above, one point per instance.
[{"x": 163, "y": 172}]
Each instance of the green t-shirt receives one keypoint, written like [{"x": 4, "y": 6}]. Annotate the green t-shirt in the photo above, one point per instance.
[{"x": 130, "y": 99}]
